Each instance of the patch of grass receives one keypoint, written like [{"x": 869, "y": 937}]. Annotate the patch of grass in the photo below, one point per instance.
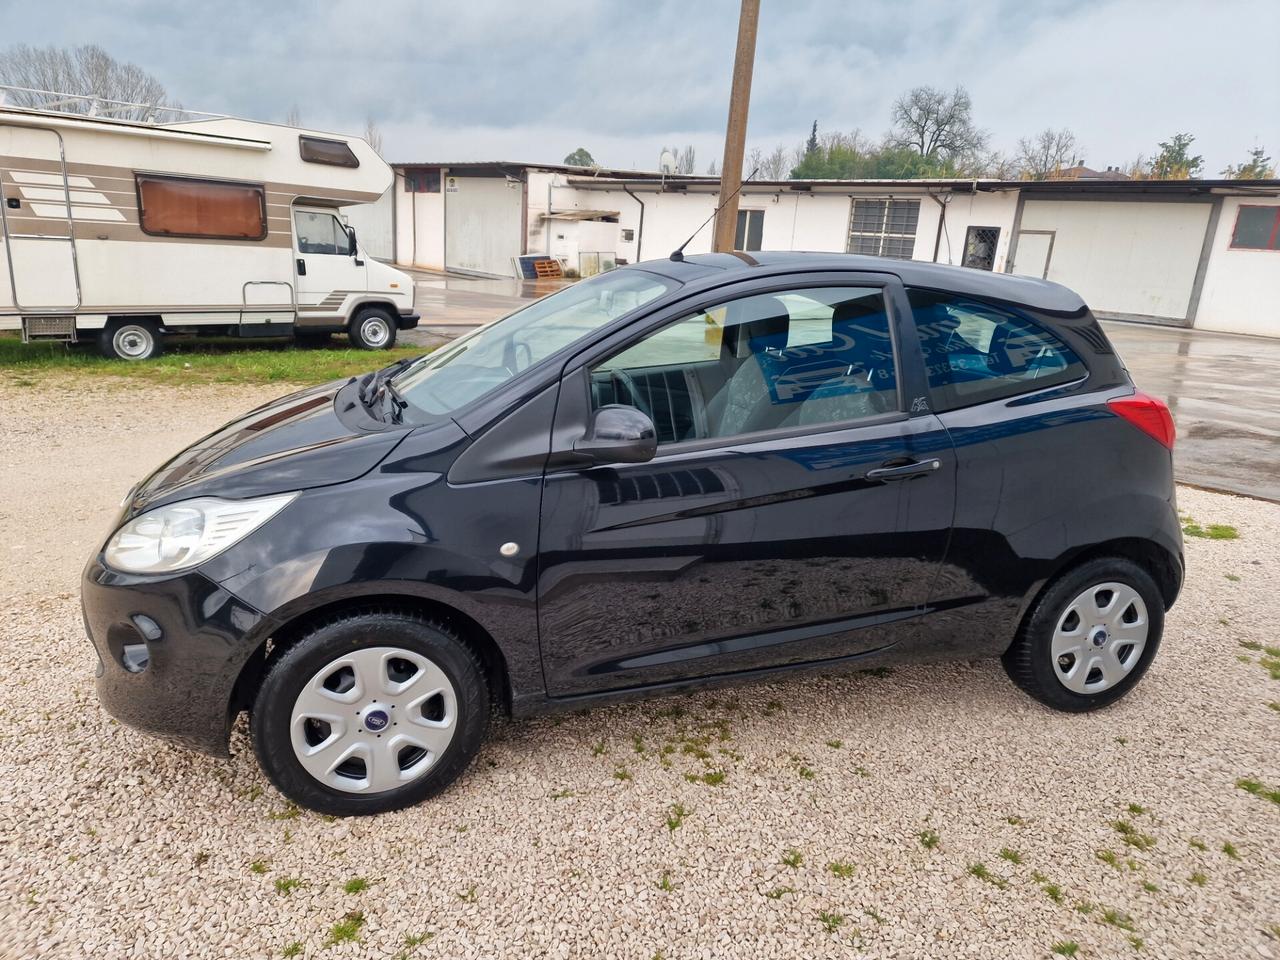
[
  {"x": 199, "y": 360},
  {"x": 980, "y": 871},
  {"x": 777, "y": 893},
  {"x": 1136, "y": 809},
  {"x": 1109, "y": 858},
  {"x": 792, "y": 858},
  {"x": 928, "y": 839},
  {"x": 1065, "y": 948},
  {"x": 806, "y": 773},
  {"x": 286, "y": 885},
  {"x": 841, "y": 869},
  {"x": 1013, "y": 856},
  {"x": 835, "y": 744},
  {"x": 1118, "y": 918},
  {"x": 258, "y": 866},
  {"x": 346, "y": 930},
  {"x": 1230, "y": 850},
  {"x": 1214, "y": 531},
  {"x": 713, "y": 778},
  {"x": 1259, "y": 789},
  {"x": 292, "y": 950},
  {"x": 356, "y": 885},
  {"x": 831, "y": 921},
  {"x": 1053, "y": 892},
  {"x": 1132, "y": 836},
  {"x": 675, "y": 816},
  {"x": 1150, "y": 887}
]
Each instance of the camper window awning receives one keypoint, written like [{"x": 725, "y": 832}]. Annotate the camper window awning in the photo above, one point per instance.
[{"x": 581, "y": 215}]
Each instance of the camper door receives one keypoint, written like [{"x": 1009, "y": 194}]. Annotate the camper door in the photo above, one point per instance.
[
  {"x": 38, "y": 233},
  {"x": 328, "y": 268}
]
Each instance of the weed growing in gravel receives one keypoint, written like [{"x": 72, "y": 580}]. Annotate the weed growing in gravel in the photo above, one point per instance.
[
  {"x": 258, "y": 866},
  {"x": 346, "y": 930},
  {"x": 806, "y": 773},
  {"x": 1199, "y": 878},
  {"x": 1232, "y": 577},
  {"x": 1014, "y": 820},
  {"x": 1197, "y": 844},
  {"x": 841, "y": 869},
  {"x": 777, "y": 893},
  {"x": 1118, "y": 918},
  {"x": 1053, "y": 892},
  {"x": 412, "y": 941},
  {"x": 356, "y": 885},
  {"x": 561, "y": 794},
  {"x": 1109, "y": 858},
  {"x": 713, "y": 778},
  {"x": 980, "y": 871},
  {"x": 835, "y": 744},
  {"x": 1067, "y": 948},
  {"x": 286, "y": 885},
  {"x": 675, "y": 816},
  {"x": 1150, "y": 887},
  {"x": 792, "y": 858},
  {"x": 664, "y": 883},
  {"x": 290, "y": 812},
  {"x": 599, "y": 749},
  {"x": 200, "y": 859},
  {"x": 622, "y": 773},
  {"x": 292, "y": 950},
  {"x": 1214, "y": 531},
  {"x": 1243, "y": 658},
  {"x": 469, "y": 895},
  {"x": 928, "y": 839},
  {"x": 1136, "y": 942},
  {"x": 831, "y": 921},
  {"x": 1123, "y": 741},
  {"x": 1132, "y": 836},
  {"x": 1250, "y": 644},
  {"x": 1013, "y": 856},
  {"x": 1258, "y": 789},
  {"x": 772, "y": 707},
  {"x": 1084, "y": 907},
  {"x": 1230, "y": 850},
  {"x": 1136, "y": 809},
  {"x": 1274, "y": 705}
]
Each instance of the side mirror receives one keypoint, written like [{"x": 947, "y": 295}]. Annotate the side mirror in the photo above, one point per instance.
[
  {"x": 618, "y": 434},
  {"x": 351, "y": 240}
]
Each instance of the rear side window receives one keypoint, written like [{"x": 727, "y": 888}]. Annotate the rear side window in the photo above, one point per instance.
[
  {"x": 976, "y": 352},
  {"x": 172, "y": 207}
]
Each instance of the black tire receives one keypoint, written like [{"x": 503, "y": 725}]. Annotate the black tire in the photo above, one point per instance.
[
  {"x": 131, "y": 340},
  {"x": 1030, "y": 662},
  {"x": 312, "y": 340},
  {"x": 373, "y": 328},
  {"x": 270, "y": 721}
]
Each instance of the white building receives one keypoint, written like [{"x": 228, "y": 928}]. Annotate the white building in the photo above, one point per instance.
[{"x": 1195, "y": 253}]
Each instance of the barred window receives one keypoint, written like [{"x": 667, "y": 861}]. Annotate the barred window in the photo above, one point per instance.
[
  {"x": 884, "y": 228},
  {"x": 425, "y": 180},
  {"x": 980, "y": 247}
]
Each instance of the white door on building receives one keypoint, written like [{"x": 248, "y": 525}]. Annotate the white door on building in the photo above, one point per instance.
[
  {"x": 327, "y": 268},
  {"x": 483, "y": 224},
  {"x": 39, "y": 237},
  {"x": 1031, "y": 259}
]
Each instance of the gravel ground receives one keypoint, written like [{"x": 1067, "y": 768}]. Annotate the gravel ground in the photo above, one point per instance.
[{"x": 962, "y": 819}]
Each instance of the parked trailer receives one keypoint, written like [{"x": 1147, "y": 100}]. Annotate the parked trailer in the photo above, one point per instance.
[{"x": 122, "y": 231}]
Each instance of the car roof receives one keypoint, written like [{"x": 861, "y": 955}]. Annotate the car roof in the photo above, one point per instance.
[{"x": 712, "y": 268}]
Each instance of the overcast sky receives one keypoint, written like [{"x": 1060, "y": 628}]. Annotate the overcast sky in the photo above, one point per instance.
[{"x": 513, "y": 80}]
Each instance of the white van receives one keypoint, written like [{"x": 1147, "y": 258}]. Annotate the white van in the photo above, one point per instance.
[{"x": 122, "y": 231}]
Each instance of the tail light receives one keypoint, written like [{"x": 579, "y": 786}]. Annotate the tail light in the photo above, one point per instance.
[{"x": 1146, "y": 413}]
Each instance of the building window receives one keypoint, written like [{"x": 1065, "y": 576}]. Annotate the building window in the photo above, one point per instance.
[
  {"x": 750, "y": 230},
  {"x": 425, "y": 180},
  {"x": 334, "y": 153},
  {"x": 980, "y": 247},
  {"x": 884, "y": 228},
  {"x": 1257, "y": 228},
  {"x": 175, "y": 207}
]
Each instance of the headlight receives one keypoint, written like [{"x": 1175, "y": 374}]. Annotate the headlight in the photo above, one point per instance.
[{"x": 188, "y": 533}]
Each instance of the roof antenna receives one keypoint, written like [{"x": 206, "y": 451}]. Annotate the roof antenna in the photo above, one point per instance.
[{"x": 678, "y": 253}]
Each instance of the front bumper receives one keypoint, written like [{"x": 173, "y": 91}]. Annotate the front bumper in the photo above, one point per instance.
[
  {"x": 408, "y": 320},
  {"x": 192, "y": 637}
]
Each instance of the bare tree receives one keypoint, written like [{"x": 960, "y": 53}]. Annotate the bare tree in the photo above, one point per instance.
[
  {"x": 1046, "y": 153},
  {"x": 937, "y": 125},
  {"x": 685, "y": 160},
  {"x": 755, "y": 162},
  {"x": 372, "y": 135},
  {"x": 294, "y": 117},
  {"x": 774, "y": 165},
  {"x": 711, "y": 169},
  {"x": 87, "y": 71}
]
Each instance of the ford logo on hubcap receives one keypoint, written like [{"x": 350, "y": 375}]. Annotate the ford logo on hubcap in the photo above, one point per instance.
[{"x": 376, "y": 720}]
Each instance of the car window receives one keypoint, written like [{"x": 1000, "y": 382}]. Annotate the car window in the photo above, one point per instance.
[
  {"x": 321, "y": 233},
  {"x": 774, "y": 361},
  {"x": 976, "y": 352},
  {"x": 442, "y": 382}
]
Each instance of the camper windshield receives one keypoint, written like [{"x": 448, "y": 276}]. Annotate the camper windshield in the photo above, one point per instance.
[{"x": 471, "y": 366}]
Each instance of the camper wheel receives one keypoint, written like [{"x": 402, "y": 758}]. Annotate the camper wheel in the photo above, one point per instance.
[
  {"x": 130, "y": 340},
  {"x": 373, "y": 329}
]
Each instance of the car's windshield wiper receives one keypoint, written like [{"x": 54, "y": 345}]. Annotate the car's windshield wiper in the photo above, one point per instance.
[{"x": 378, "y": 385}]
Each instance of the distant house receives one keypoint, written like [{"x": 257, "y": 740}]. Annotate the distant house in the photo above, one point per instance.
[
  {"x": 1202, "y": 253},
  {"x": 1080, "y": 172}
]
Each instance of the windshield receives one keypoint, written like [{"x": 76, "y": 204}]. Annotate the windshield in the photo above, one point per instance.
[{"x": 484, "y": 359}]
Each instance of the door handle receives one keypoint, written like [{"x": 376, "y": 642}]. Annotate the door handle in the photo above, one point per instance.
[
  {"x": 302, "y": 267},
  {"x": 904, "y": 471}
]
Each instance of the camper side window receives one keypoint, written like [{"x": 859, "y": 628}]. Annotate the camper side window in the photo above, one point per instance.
[
  {"x": 321, "y": 233},
  {"x": 173, "y": 207}
]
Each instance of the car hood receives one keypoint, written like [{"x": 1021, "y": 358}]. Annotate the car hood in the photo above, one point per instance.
[{"x": 312, "y": 438}]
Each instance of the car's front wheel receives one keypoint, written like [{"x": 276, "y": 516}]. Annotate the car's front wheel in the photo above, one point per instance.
[
  {"x": 372, "y": 711},
  {"x": 373, "y": 328},
  {"x": 1090, "y": 637}
]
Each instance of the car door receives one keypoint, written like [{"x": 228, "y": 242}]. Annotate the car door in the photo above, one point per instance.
[
  {"x": 798, "y": 506},
  {"x": 327, "y": 267}
]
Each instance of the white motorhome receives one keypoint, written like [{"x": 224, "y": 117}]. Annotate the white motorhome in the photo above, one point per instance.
[{"x": 122, "y": 231}]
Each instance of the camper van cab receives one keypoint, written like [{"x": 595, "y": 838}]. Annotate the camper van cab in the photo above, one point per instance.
[{"x": 123, "y": 231}]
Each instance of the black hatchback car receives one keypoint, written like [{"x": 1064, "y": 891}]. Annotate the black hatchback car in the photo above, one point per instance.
[{"x": 676, "y": 473}]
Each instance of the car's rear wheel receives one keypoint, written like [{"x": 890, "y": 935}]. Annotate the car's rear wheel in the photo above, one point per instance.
[
  {"x": 369, "y": 712},
  {"x": 1090, "y": 636},
  {"x": 130, "y": 340}
]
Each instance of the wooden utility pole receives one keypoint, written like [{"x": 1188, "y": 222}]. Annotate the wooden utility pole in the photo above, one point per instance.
[{"x": 735, "y": 135}]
